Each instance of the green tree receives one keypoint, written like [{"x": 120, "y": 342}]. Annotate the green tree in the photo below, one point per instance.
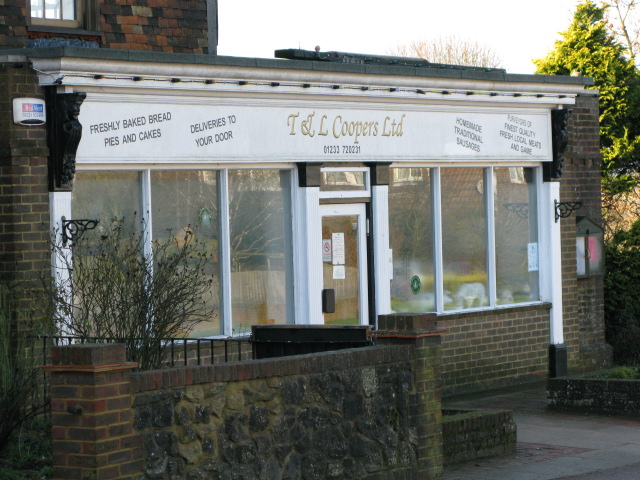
[
  {"x": 589, "y": 48},
  {"x": 622, "y": 290}
]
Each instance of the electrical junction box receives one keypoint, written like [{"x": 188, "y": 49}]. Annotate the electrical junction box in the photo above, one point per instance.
[{"x": 29, "y": 111}]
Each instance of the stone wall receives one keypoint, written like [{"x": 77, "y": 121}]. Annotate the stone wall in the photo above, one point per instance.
[
  {"x": 594, "y": 395},
  {"x": 342, "y": 416},
  {"x": 369, "y": 413}
]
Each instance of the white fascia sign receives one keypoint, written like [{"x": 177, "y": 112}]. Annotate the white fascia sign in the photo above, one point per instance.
[{"x": 148, "y": 131}]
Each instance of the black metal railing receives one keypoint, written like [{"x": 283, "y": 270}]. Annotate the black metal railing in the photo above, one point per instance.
[{"x": 174, "y": 351}]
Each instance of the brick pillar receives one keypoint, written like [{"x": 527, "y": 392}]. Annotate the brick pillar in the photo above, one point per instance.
[
  {"x": 420, "y": 331},
  {"x": 91, "y": 415},
  {"x": 24, "y": 193}
]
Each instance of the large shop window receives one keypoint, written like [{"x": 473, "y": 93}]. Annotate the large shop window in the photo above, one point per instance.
[
  {"x": 463, "y": 238},
  {"x": 241, "y": 217}
]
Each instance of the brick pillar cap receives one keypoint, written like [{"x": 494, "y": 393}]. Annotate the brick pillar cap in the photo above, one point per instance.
[{"x": 89, "y": 354}]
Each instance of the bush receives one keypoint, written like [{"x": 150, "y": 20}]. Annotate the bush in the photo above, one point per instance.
[
  {"x": 27, "y": 455},
  {"x": 18, "y": 367},
  {"x": 108, "y": 287},
  {"x": 623, "y": 373},
  {"x": 622, "y": 294}
]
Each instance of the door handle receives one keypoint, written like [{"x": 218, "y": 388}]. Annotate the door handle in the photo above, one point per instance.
[{"x": 328, "y": 300}]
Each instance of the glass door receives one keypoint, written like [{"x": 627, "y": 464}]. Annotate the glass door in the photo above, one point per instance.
[{"x": 344, "y": 264}]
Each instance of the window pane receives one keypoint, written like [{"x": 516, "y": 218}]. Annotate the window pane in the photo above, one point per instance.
[
  {"x": 516, "y": 235},
  {"x": 411, "y": 239},
  {"x": 113, "y": 199},
  {"x": 464, "y": 238},
  {"x": 260, "y": 240},
  {"x": 106, "y": 196},
  {"x": 581, "y": 256},
  {"x": 37, "y": 8},
  {"x": 184, "y": 205},
  {"x": 342, "y": 181},
  {"x": 68, "y": 10},
  {"x": 54, "y": 9},
  {"x": 343, "y": 228}
]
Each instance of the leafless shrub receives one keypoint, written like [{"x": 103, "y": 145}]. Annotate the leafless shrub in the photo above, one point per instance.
[
  {"x": 107, "y": 286},
  {"x": 451, "y": 50}
]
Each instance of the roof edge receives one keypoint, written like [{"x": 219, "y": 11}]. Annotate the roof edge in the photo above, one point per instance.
[{"x": 404, "y": 66}]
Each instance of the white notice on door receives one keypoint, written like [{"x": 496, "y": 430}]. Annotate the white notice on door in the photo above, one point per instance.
[
  {"x": 533, "y": 257},
  {"x": 339, "y": 272},
  {"x": 338, "y": 248}
]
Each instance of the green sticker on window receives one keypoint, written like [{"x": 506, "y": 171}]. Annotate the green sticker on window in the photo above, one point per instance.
[{"x": 415, "y": 284}]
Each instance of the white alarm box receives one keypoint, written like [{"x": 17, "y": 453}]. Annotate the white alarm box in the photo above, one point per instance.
[{"x": 29, "y": 111}]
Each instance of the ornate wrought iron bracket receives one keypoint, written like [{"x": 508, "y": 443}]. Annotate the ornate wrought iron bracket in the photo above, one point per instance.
[
  {"x": 520, "y": 209},
  {"x": 72, "y": 230},
  {"x": 564, "y": 209}
]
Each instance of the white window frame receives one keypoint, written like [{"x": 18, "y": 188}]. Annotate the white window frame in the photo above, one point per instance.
[
  {"x": 86, "y": 18},
  {"x": 58, "y": 21},
  {"x": 366, "y": 193},
  {"x": 64, "y": 208},
  {"x": 489, "y": 187}
]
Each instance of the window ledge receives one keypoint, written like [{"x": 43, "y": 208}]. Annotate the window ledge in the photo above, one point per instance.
[
  {"x": 63, "y": 30},
  {"x": 498, "y": 309}
]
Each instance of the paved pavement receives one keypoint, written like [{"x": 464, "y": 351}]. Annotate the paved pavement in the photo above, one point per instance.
[{"x": 553, "y": 445}]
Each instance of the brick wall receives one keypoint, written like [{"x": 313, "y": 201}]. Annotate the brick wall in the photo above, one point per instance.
[
  {"x": 13, "y": 24},
  {"x": 472, "y": 434},
  {"x": 484, "y": 350},
  {"x": 583, "y": 299},
  {"x": 156, "y": 25},
  {"x": 92, "y": 434},
  {"x": 420, "y": 332},
  {"x": 24, "y": 197}
]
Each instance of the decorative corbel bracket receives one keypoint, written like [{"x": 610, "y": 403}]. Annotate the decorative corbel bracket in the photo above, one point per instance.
[
  {"x": 564, "y": 209},
  {"x": 552, "y": 171},
  {"x": 63, "y": 137},
  {"x": 72, "y": 230}
]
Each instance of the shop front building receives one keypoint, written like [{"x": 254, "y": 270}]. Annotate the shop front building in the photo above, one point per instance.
[{"x": 333, "y": 188}]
